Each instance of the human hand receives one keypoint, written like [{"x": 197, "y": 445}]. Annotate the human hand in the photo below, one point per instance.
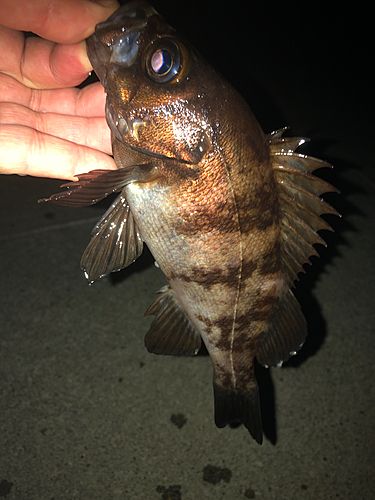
[{"x": 48, "y": 128}]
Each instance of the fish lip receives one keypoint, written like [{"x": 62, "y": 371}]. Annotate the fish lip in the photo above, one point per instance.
[
  {"x": 99, "y": 56},
  {"x": 90, "y": 48}
]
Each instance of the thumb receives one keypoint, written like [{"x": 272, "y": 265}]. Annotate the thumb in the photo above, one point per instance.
[{"x": 61, "y": 21}]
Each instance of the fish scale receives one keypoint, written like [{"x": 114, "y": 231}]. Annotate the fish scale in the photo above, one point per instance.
[
  {"x": 201, "y": 300},
  {"x": 230, "y": 214}
]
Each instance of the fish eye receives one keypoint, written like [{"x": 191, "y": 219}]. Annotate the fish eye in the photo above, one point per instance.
[
  {"x": 164, "y": 61},
  {"x": 161, "y": 62}
]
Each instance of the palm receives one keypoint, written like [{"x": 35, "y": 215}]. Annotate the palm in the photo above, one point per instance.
[
  {"x": 52, "y": 133},
  {"x": 48, "y": 127}
]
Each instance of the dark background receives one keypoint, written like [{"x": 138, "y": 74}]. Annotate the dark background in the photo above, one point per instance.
[{"x": 307, "y": 67}]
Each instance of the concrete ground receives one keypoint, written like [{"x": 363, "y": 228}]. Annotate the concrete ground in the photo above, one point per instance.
[{"x": 86, "y": 413}]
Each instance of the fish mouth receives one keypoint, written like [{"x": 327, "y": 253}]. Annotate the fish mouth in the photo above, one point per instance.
[
  {"x": 132, "y": 17},
  {"x": 99, "y": 56},
  {"x": 132, "y": 14},
  {"x": 115, "y": 40},
  {"x": 122, "y": 51}
]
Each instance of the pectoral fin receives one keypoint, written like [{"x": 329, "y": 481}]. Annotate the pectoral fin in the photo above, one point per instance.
[
  {"x": 171, "y": 332},
  {"x": 98, "y": 184},
  {"x": 115, "y": 243}
]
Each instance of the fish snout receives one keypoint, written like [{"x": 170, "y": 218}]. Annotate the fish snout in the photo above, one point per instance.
[
  {"x": 116, "y": 40},
  {"x": 131, "y": 17},
  {"x": 98, "y": 54}
]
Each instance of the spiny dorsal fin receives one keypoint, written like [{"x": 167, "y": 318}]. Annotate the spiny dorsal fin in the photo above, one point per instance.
[
  {"x": 300, "y": 202},
  {"x": 171, "y": 332}
]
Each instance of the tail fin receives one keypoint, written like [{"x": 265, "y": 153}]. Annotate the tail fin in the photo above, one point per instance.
[{"x": 233, "y": 406}]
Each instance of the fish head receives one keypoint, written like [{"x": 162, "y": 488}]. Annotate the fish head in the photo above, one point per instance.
[{"x": 159, "y": 91}]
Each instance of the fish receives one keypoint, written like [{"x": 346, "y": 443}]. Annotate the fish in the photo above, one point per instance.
[{"x": 230, "y": 214}]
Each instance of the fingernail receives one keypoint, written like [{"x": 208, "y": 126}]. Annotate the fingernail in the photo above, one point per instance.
[{"x": 83, "y": 57}]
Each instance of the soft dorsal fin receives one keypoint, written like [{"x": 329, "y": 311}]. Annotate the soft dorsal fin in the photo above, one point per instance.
[
  {"x": 286, "y": 333},
  {"x": 300, "y": 202},
  {"x": 171, "y": 332}
]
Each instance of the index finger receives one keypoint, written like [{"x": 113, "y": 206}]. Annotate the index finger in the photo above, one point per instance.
[{"x": 61, "y": 21}]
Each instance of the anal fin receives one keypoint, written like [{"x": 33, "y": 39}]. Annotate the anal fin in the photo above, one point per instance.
[
  {"x": 171, "y": 331},
  {"x": 286, "y": 334}
]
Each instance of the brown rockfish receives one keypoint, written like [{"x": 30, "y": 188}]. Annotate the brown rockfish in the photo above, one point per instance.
[{"x": 230, "y": 214}]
